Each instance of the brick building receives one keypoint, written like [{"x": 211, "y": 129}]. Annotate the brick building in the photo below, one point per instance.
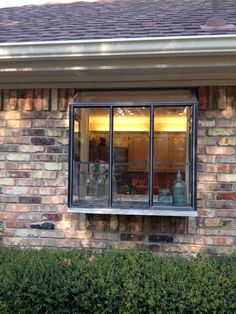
[{"x": 152, "y": 88}]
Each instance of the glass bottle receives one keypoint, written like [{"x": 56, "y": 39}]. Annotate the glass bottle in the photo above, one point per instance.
[
  {"x": 179, "y": 191},
  {"x": 164, "y": 197},
  {"x": 91, "y": 184},
  {"x": 101, "y": 182}
]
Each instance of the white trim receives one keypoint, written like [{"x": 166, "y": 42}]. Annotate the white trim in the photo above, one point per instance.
[
  {"x": 120, "y": 63},
  {"x": 140, "y": 212},
  {"x": 193, "y": 45}
]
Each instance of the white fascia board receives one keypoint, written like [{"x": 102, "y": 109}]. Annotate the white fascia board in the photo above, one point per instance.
[{"x": 160, "y": 46}]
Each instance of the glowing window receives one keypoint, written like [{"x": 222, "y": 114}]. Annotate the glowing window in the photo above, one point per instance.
[{"x": 133, "y": 156}]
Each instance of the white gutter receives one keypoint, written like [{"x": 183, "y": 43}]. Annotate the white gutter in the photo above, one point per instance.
[{"x": 162, "y": 46}]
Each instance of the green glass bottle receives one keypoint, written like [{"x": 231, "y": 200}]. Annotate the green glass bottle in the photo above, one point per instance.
[{"x": 179, "y": 191}]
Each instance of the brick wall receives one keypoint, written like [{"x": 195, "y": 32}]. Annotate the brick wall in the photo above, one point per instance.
[{"x": 33, "y": 173}]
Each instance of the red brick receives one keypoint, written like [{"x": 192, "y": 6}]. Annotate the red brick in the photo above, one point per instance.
[
  {"x": 53, "y": 200},
  {"x": 30, "y": 166},
  {"x": 213, "y": 95},
  {"x": 110, "y": 236},
  {"x": 206, "y": 212},
  {"x": 219, "y": 168},
  {"x": 54, "y": 115},
  {"x": 44, "y": 174},
  {"x": 206, "y": 177},
  {"x": 62, "y": 99},
  {"x": 227, "y": 141},
  {"x": 13, "y": 99},
  {"x": 4, "y": 132},
  {"x": 45, "y": 99},
  {"x": 227, "y": 123},
  {"x": 132, "y": 237},
  {"x": 226, "y": 177},
  {"x": 222, "y": 97},
  {"x": 202, "y": 97},
  {"x": 18, "y": 208},
  {"x": 218, "y": 240},
  {"x": 38, "y": 99},
  {"x": 56, "y": 182},
  {"x": 206, "y": 158},
  {"x": 8, "y": 199},
  {"x": 125, "y": 245},
  {"x": 213, "y": 222},
  {"x": 62, "y": 191},
  {"x": 7, "y": 216},
  {"x": 6, "y": 99},
  {"x": 11, "y": 165},
  {"x": 52, "y": 217},
  {"x": 224, "y": 204},
  {"x": 29, "y": 182},
  {"x": 215, "y": 150},
  {"x": 226, "y": 213},
  {"x": 28, "y": 104},
  {"x": 101, "y": 222},
  {"x": 152, "y": 224},
  {"x": 10, "y": 115},
  {"x": 81, "y": 234},
  {"x": 19, "y": 124},
  {"x": 42, "y": 191},
  {"x": 16, "y": 224},
  {"x": 227, "y": 196},
  {"x": 8, "y": 232}
]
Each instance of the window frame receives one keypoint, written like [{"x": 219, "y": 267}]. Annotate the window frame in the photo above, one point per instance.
[{"x": 151, "y": 210}]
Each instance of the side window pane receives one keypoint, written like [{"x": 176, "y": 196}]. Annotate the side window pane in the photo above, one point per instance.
[
  {"x": 91, "y": 156},
  {"x": 172, "y": 151},
  {"x": 131, "y": 158}
]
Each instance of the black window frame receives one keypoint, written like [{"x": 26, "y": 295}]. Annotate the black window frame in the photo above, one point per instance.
[{"x": 152, "y": 105}]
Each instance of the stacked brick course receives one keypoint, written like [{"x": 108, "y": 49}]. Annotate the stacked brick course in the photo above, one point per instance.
[{"x": 34, "y": 170}]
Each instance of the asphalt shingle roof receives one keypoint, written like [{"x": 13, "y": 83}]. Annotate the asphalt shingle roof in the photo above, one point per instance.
[{"x": 105, "y": 19}]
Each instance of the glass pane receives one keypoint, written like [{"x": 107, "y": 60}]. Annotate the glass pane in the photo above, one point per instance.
[
  {"x": 130, "y": 187},
  {"x": 90, "y": 184},
  {"x": 172, "y": 151},
  {"x": 131, "y": 158},
  {"x": 91, "y": 134},
  {"x": 131, "y": 134},
  {"x": 91, "y": 156}
]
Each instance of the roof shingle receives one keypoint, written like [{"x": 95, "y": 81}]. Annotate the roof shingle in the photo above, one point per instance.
[{"x": 105, "y": 19}]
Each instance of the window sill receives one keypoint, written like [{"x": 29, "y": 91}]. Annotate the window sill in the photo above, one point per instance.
[{"x": 161, "y": 211}]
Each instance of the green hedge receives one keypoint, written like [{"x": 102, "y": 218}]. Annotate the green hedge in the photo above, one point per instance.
[{"x": 53, "y": 281}]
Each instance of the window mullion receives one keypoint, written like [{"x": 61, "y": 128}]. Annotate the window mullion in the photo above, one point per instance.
[
  {"x": 110, "y": 174},
  {"x": 71, "y": 154},
  {"x": 194, "y": 156},
  {"x": 151, "y": 156}
]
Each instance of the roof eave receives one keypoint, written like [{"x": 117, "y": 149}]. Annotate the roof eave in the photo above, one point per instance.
[
  {"x": 197, "y": 45},
  {"x": 167, "y": 61}
]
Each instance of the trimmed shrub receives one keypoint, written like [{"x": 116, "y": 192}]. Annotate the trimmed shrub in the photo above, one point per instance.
[{"x": 56, "y": 281}]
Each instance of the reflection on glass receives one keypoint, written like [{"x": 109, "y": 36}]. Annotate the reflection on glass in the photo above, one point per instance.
[
  {"x": 131, "y": 156},
  {"x": 91, "y": 134},
  {"x": 91, "y": 183},
  {"x": 130, "y": 175},
  {"x": 172, "y": 133},
  {"x": 91, "y": 156},
  {"x": 131, "y": 134},
  {"x": 132, "y": 186}
]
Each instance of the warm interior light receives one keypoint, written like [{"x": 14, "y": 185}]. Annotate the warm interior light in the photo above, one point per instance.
[
  {"x": 139, "y": 124},
  {"x": 170, "y": 124},
  {"x": 76, "y": 126}
]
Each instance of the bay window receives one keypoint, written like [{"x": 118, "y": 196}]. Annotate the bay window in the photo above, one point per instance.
[{"x": 133, "y": 153}]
